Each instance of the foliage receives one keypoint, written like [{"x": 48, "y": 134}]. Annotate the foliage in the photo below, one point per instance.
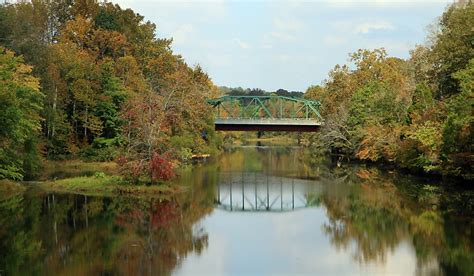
[
  {"x": 161, "y": 168},
  {"x": 100, "y": 68},
  {"x": 239, "y": 91},
  {"x": 20, "y": 103},
  {"x": 158, "y": 168},
  {"x": 416, "y": 113},
  {"x": 101, "y": 149},
  {"x": 452, "y": 47},
  {"x": 427, "y": 137},
  {"x": 458, "y": 134}
]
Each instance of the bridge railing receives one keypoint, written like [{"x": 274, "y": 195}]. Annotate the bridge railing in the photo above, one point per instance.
[{"x": 266, "y": 107}]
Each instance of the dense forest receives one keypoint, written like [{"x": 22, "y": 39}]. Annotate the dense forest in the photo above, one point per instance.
[
  {"x": 82, "y": 79},
  {"x": 416, "y": 113}
]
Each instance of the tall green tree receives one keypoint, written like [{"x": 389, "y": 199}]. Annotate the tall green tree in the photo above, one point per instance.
[
  {"x": 20, "y": 103},
  {"x": 453, "y": 46},
  {"x": 458, "y": 129}
]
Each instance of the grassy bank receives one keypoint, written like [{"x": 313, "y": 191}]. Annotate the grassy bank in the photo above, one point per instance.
[
  {"x": 102, "y": 184},
  {"x": 8, "y": 188},
  {"x": 53, "y": 170}
]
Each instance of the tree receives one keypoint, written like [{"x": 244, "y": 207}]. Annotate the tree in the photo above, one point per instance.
[
  {"x": 452, "y": 48},
  {"x": 458, "y": 134},
  {"x": 95, "y": 61},
  {"x": 315, "y": 92},
  {"x": 422, "y": 101},
  {"x": 110, "y": 102},
  {"x": 20, "y": 102}
]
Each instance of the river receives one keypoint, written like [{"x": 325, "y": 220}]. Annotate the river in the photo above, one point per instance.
[{"x": 250, "y": 211}]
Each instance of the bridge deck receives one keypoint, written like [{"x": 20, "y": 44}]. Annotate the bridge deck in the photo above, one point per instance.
[{"x": 275, "y": 124}]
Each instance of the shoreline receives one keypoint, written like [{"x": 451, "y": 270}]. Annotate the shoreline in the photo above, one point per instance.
[
  {"x": 102, "y": 179},
  {"x": 107, "y": 186}
]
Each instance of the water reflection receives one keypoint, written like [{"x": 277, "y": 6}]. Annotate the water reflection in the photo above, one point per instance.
[
  {"x": 350, "y": 219},
  {"x": 371, "y": 214},
  {"x": 81, "y": 235},
  {"x": 241, "y": 191}
]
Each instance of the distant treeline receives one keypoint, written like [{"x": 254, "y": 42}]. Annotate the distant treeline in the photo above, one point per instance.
[{"x": 239, "y": 91}]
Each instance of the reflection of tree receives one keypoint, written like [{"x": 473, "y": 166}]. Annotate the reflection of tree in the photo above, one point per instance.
[
  {"x": 74, "y": 234},
  {"x": 239, "y": 160},
  {"x": 377, "y": 231},
  {"x": 312, "y": 199},
  {"x": 158, "y": 236},
  {"x": 19, "y": 216},
  {"x": 278, "y": 161},
  {"x": 377, "y": 212}
]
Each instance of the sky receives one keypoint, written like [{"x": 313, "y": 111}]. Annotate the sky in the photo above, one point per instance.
[{"x": 285, "y": 44}]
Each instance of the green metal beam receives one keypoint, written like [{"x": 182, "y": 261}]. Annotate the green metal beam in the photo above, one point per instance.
[{"x": 272, "y": 106}]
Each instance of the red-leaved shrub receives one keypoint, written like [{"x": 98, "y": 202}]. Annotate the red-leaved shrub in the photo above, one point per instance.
[{"x": 161, "y": 168}]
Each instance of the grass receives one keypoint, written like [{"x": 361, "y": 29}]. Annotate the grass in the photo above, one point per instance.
[
  {"x": 74, "y": 168},
  {"x": 8, "y": 188},
  {"x": 89, "y": 178},
  {"x": 102, "y": 184}
]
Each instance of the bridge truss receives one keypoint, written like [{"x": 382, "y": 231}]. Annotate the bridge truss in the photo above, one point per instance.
[{"x": 272, "y": 113}]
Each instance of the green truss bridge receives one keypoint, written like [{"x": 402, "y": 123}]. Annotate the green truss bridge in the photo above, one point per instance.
[{"x": 266, "y": 113}]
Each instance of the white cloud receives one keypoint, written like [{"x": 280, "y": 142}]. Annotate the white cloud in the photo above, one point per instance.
[
  {"x": 367, "y": 27},
  {"x": 393, "y": 47},
  {"x": 288, "y": 24},
  {"x": 284, "y": 30},
  {"x": 125, "y": 3},
  {"x": 242, "y": 44},
  {"x": 282, "y": 36},
  {"x": 283, "y": 58},
  {"x": 332, "y": 40},
  {"x": 383, "y": 3},
  {"x": 216, "y": 61},
  {"x": 198, "y": 10}
]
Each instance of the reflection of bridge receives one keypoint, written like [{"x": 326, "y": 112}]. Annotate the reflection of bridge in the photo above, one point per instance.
[
  {"x": 266, "y": 113},
  {"x": 243, "y": 191}
]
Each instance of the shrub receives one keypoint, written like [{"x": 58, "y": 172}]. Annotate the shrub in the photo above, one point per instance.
[
  {"x": 101, "y": 150},
  {"x": 158, "y": 168}
]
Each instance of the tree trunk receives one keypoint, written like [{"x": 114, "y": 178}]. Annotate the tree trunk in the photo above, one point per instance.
[
  {"x": 54, "y": 111},
  {"x": 85, "y": 123}
]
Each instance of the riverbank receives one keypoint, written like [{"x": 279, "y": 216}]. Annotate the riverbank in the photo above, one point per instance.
[
  {"x": 8, "y": 187},
  {"x": 91, "y": 178},
  {"x": 54, "y": 170},
  {"x": 432, "y": 175},
  {"x": 106, "y": 185}
]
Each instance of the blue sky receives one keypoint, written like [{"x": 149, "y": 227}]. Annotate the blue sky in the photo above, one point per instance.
[{"x": 285, "y": 44}]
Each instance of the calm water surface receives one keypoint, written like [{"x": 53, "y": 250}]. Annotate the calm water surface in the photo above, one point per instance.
[{"x": 252, "y": 211}]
